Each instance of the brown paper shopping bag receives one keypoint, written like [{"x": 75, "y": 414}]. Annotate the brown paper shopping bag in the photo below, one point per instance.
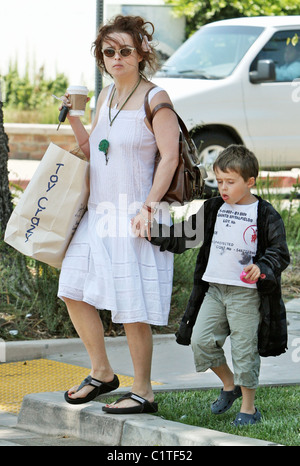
[{"x": 45, "y": 218}]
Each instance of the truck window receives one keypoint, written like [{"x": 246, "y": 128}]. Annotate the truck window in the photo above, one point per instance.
[
  {"x": 284, "y": 49},
  {"x": 211, "y": 53}
]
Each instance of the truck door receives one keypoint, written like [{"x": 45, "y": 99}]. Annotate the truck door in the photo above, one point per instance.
[{"x": 273, "y": 108}]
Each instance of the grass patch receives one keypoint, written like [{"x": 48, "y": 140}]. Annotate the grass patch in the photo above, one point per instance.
[
  {"x": 279, "y": 407},
  {"x": 44, "y": 115},
  {"x": 29, "y": 306}
]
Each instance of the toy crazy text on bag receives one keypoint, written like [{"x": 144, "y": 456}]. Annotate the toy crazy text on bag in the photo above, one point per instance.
[
  {"x": 35, "y": 220},
  {"x": 51, "y": 207}
]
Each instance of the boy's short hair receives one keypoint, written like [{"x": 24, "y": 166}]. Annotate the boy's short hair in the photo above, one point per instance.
[{"x": 239, "y": 159}]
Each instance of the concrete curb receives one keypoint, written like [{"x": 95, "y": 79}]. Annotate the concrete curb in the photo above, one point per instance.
[
  {"x": 293, "y": 306},
  {"x": 49, "y": 414},
  {"x": 36, "y": 349}
]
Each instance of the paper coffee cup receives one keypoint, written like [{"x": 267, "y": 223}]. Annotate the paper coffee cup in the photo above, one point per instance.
[{"x": 78, "y": 99}]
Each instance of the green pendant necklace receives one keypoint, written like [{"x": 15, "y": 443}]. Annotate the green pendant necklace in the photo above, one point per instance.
[{"x": 104, "y": 143}]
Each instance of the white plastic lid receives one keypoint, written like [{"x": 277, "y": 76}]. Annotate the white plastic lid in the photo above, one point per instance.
[{"x": 78, "y": 90}]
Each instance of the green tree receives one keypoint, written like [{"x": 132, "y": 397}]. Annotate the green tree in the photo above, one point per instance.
[
  {"x": 25, "y": 93},
  {"x": 5, "y": 195},
  {"x": 200, "y": 12}
]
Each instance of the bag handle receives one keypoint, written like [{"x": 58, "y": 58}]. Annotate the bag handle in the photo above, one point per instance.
[
  {"x": 150, "y": 115},
  {"x": 78, "y": 152}
]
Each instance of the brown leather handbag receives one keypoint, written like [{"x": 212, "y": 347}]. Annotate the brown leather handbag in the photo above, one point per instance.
[{"x": 188, "y": 180}]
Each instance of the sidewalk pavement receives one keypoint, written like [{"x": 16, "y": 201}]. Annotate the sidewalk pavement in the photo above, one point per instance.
[{"x": 46, "y": 419}]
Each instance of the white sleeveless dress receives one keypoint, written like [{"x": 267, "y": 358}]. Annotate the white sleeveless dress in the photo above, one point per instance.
[{"x": 105, "y": 264}]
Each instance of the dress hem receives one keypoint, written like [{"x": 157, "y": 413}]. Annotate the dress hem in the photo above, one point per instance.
[{"x": 131, "y": 321}]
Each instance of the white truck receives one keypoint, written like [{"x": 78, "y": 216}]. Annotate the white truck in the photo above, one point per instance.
[{"x": 224, "y": 83}]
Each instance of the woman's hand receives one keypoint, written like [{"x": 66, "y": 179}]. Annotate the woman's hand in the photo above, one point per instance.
[
  {"x": 141, "y": 224},
  {"x": 80, "y": 132},
  {"x": 67, "y": 103}
]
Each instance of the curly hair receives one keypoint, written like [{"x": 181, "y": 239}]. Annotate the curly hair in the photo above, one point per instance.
[{"x": 136, "y": 27}]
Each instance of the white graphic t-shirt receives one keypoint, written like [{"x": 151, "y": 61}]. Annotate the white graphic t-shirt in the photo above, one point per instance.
[{"x": 233, "y": 245}]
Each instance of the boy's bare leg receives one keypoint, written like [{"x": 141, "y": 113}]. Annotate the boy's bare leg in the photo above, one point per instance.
[
  {"x": 226, "y": 376},
  {"x": 248, "y": 400}
]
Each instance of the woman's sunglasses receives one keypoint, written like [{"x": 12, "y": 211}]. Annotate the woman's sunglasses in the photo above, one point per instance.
[{"x": 124, "y": 51}]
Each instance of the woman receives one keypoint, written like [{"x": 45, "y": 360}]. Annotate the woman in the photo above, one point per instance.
[{"x": 109, "y": 265}]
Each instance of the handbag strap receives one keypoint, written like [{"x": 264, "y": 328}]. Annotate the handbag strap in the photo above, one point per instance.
[
  {"x": 150, "y": 115},
  {"x": 147, "y": 106}
]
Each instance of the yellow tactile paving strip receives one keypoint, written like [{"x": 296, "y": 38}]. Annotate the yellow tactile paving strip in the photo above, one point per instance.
[{"x": 18, "y": 379}]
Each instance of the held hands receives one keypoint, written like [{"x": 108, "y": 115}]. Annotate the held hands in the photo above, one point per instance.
[{"x": 141, "y": 224}]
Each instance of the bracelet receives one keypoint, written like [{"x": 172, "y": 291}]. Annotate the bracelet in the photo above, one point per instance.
[
  {"x": 151, "y": 210},
  {"x": 146, "y": 220}
]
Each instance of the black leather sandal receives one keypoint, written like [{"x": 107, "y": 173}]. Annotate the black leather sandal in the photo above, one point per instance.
[
  {"x": 100, "y": 388},
  {"x": 144, "y": 406}
]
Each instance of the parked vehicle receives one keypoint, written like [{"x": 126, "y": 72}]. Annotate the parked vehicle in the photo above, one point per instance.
[{"x": 224, "y": 82}]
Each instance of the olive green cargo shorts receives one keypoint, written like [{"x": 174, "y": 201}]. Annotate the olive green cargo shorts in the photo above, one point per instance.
[{"x": 229, "y": 310}]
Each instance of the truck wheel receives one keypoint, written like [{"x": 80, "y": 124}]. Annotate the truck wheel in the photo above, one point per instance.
[{"x": 210, "y": 144}]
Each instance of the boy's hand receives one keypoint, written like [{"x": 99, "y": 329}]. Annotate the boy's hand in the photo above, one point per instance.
[{"x": 253, "y": 272}]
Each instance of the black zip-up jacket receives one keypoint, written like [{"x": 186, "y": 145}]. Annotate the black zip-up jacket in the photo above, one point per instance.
[{"x": 272, "y": 257}]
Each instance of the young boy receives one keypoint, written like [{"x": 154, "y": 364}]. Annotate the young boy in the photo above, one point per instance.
[{"x": 242, "y": 233}]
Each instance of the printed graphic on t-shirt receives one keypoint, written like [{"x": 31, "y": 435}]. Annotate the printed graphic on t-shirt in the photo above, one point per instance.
[
  {"x": 233, "y": 244},
  {"x": 249, "y": 237}
]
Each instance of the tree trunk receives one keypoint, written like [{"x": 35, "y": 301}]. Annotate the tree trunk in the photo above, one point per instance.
[{"x": 6, "y": 205}]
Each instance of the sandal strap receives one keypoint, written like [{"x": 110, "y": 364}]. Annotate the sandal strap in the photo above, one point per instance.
[
  {"x": 89, "y": 380},
  {"x": 132, "y": 396},
  {"x": 138, "y": 398}
]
